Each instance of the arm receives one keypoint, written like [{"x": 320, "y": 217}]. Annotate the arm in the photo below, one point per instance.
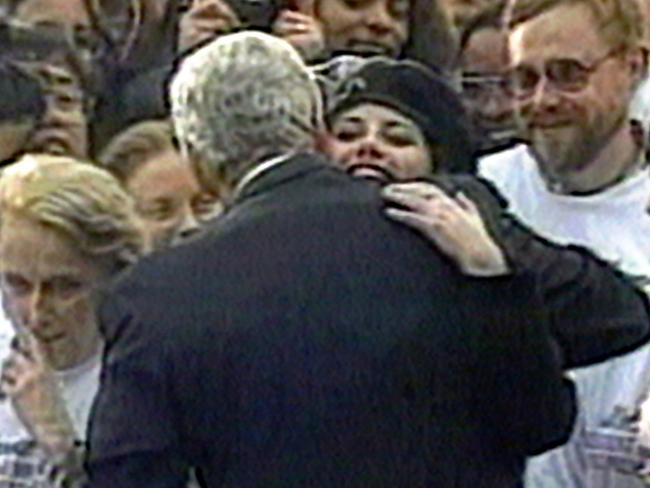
[
  {"x": 133, "y": 441},
  {"x": 525, "y": 403},
  {"x": 594, "y": 312}
]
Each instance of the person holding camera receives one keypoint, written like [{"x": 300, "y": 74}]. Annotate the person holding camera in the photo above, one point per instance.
[{"x": 321, "y": 29}]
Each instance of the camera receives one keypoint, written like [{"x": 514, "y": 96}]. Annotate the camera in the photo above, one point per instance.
[{"x": 256, "y": 14}]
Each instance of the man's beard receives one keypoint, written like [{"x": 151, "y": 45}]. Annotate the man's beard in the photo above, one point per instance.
[{"x": 571, "y": 148}]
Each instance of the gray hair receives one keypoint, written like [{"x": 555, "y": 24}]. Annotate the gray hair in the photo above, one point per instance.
[
  {"x": 243, "y": 98},
  {"x": 82, "y": 201}
]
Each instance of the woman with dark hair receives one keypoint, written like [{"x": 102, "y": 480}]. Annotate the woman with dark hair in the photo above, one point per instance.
[
  {"x": 320, "y": 29},
  {"x": 402, "y": 125}
]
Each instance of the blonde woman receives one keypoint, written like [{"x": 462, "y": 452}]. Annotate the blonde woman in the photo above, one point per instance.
[{"x": 66, "y": 229}]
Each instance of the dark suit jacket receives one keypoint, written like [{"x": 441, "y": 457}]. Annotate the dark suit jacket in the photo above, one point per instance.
[
  {"x": 307, "y": 341},
  {"x": 595, "y": 311}
]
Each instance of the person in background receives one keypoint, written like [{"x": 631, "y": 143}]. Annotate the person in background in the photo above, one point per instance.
[
  {"x": 22, "y": 108},
  {"x": 139, "y": 46},
  {"x": 53, "y": 53},
  {"x": 146, "y": 160},
  {"x": 66, "y": 230},
  {"x": 582, "y": 179},
  {"x": 306, "y": 340},
  {"x": 484, "y": 69},
  {"x": 321, "y": 29},
  {"x": 463, "y": 11},
  {"x": 380, "y": 127}
]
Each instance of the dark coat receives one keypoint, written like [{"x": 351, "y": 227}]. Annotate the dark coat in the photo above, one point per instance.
[{"x": 307, "y": 341}]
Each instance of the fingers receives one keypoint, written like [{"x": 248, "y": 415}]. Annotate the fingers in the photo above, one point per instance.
[
  {"x": 423, "y": 198},
  {"x": 292, "y": 23},
  {"x": 21, "y": 345},
  {"x": 205, "y": 21},
  {"x": 13, "y": 369},
  {"x": 306, "y": 7},
  {"x": 420, "y": 188},
  {"x": 467, "y": 204},
  {"x": 25, "y": 358},
  {"x": 417, "y": 221},
  {"x": 302, "y": 31},
  {"x": 214, "y": 9}
]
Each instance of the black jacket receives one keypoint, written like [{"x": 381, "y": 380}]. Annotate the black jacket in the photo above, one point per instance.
[{"x": 307, "y": 341}]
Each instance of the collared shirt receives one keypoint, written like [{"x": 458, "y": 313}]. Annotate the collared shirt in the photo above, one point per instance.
[{"x": 258, "y": 170}]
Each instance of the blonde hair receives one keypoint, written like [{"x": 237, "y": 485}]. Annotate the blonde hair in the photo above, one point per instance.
[
  {"x": 620, "y": 21},
  {"x": 84, "y": 202}
]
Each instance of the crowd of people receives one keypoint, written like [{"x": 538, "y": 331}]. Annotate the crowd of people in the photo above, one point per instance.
[{"x": 325, "y": 243}]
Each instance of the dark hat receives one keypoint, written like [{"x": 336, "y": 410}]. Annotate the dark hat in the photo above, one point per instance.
[{"x": 423, "y": 95}]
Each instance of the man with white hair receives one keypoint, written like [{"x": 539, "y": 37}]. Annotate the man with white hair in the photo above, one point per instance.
[{"x": 306, "y": 340}]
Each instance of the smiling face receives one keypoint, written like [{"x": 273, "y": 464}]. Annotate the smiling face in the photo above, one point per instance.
[
  {"x": 568, "y": 129},
  {"x": 63, "y": 128},
  {"x": 169, "y": 199},
  {"x": 365, "y": 26},
  {"x": 377, "y": 142},
  {"x": 484, "y": 66},
  {"x": 48, "y": 288}
]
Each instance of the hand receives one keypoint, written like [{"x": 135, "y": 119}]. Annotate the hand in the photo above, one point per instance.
[
  {"x": 32, "y": 388},
  {"x": 204, "y": 21},
  {"x": 454, "y": 225},
  {"x": 643, "y": 424},
  {"x": 302, "y": 30}
]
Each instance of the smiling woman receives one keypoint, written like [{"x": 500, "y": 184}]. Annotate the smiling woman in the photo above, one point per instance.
[
  {"x": 66, "y": 228},
  {"x": 319, "y": 29},
  {"x": 397, "y": 120}
]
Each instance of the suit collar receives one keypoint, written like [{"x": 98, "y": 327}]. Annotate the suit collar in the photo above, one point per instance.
[{"x": 277, "y": 171}]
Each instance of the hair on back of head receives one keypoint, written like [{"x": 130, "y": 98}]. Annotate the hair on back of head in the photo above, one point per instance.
[{"x": 135, "y": 146}]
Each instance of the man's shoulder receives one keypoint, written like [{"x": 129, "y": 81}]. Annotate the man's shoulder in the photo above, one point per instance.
[{"x": 505, "y": 163}]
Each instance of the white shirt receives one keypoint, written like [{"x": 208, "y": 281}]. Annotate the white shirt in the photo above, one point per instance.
[
  {"x": 6, "y": 332},
  {"x": 613, "y": 224},
  {"x": 20, "y": 459}
]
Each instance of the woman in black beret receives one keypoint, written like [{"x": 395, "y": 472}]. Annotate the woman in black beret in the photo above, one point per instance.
[{"x": 402, "y": 125}]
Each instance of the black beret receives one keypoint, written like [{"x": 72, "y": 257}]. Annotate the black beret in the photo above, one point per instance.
[{"x": 423, "y": 95}]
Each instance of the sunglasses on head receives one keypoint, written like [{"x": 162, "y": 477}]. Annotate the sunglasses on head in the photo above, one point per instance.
[{"x": 563, "y": 74}]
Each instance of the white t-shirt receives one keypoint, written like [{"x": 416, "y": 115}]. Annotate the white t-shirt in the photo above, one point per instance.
[
  {"x": 615, "y": 225},
  {"x": 20, "y": 459}
]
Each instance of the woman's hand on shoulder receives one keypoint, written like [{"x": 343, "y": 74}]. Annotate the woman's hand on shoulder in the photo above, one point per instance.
[{"x": 453, "y": 224}]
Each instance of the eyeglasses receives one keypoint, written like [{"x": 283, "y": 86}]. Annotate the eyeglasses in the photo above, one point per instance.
[
  {"x": 479, "y": 88},
  {"x": 564, "y": 74}
]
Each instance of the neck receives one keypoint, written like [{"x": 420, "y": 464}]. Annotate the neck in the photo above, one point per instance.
[
  {"x": 62, "y": 360},
  {"x": 610, "y": 165}
]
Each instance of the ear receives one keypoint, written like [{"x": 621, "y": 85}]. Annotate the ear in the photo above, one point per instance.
[
  {"x": 320, "y": 141},
  {"x": 637, "y": 61}
]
